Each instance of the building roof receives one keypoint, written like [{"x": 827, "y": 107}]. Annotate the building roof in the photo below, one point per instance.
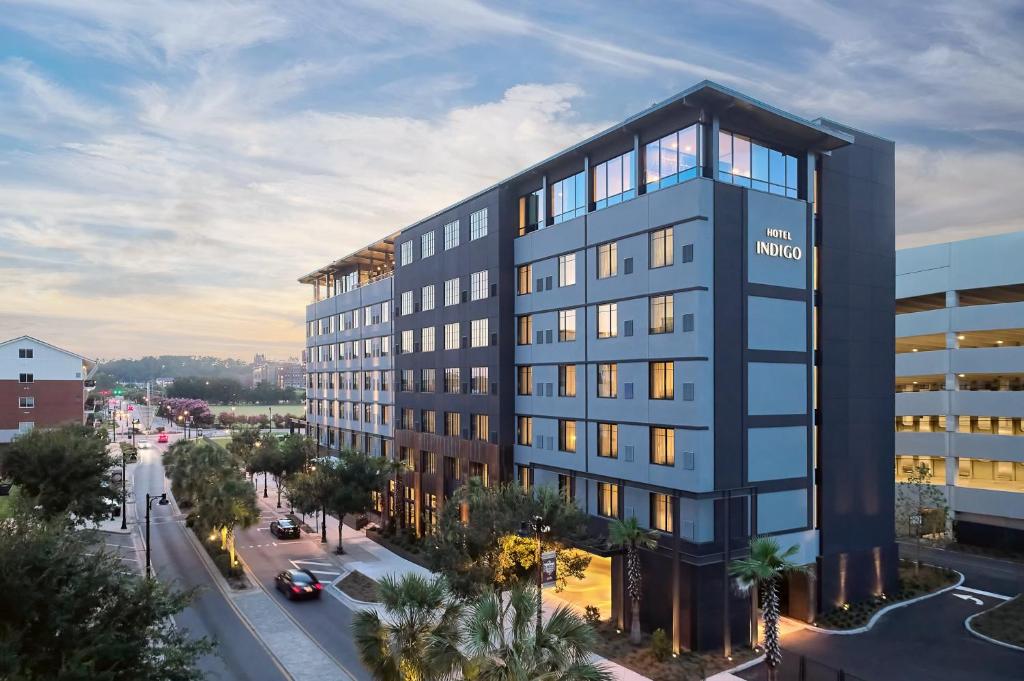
[
  {"x": 86, "y": 360},
  {"x": 376, "y": 253},
  {"x": 816, "y": 134}
]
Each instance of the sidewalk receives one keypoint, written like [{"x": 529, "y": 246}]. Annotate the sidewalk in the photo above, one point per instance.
[
  {"x": 114, "y": 524},
  {"x": 375, "y": 561}
]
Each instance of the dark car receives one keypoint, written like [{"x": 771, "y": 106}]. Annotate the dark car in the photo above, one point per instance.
[
  {"x": 284, "y": 529},
  {"x": 296, "y": 584}
]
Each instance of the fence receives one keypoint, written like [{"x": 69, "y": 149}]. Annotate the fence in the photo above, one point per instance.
[{"x": 801, "y": 668}]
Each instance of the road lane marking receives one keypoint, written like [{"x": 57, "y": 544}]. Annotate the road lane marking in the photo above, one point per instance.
[
  {"x": 983, "y": 593},
  {"x": 313, "y": 562},
  {"x": 976, "y": 601}
]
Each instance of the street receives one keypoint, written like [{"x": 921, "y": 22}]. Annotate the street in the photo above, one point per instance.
[{"x": 239, "y": 655}]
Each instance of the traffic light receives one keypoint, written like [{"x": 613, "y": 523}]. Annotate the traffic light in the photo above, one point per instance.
[{"x": 118, "y": 391}]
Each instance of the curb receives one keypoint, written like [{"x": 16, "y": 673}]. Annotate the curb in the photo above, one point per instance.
[
  {"x": 211, "y": 567},
  {"x": 975, "y": 632},
  {"x": 352, "y": 603},
  {"x": 746, "y": 665},
  {"x": 878, "y": 615}
]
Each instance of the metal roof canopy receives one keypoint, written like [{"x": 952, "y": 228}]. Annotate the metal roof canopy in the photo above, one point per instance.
[{"x": 382, "y": 251}]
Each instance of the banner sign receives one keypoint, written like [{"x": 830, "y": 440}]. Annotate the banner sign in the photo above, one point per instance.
[{"x": 547, "y": 567}]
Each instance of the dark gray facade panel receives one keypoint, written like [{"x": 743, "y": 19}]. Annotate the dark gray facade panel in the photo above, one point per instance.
[{"x": 857, "y": 286}]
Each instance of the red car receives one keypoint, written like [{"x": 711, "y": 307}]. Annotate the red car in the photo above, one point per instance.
[{"x": 161, "y": 438}]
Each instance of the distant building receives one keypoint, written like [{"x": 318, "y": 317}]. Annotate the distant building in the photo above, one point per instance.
[
  {"x": 40, "y": 386},
  {"x": 960, "y": 380},
  {"x": 282, "y": 374}
]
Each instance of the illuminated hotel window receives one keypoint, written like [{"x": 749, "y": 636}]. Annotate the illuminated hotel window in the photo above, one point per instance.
[
  {"x": 615, "y": 181},
  {"x": 524, "y": 430},
  {"x": 566, "y": 435},
  {"x": 663, "y": 445},
  {"x": 525, "y": 382},
  {"x": 661, "y": 248},
  {"x": 661, "y": 512},
  {"x": 566, "y": 325},
  {"x": 567, "y": 269},
  {"x": 529, "y": 212},
  {"x": 568, "y": 198},
  {"x": 662, "y": 316},
  {"x": 607, "y": 380},
  {"x": 672, "y": 159},
  {"x": 662, "y": 380},
  {"x": 524, "y": 280},
  {"x": 747, "y": 163},
  {"x": 567, "y": 380},
  {"x": 607, "y": 500},
  {"x": 608, "y": 440}
]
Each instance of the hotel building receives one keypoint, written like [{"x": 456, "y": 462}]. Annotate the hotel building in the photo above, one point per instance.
[
  {"x": 685, "y": 318},
  {"x": 960, "y": 380},
  {"x": 41, "y": 386}
]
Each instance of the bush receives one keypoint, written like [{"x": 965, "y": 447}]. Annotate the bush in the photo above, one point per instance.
[
  {"x": 661, "y": 647},
  {"x": 592, "y": 614},
  {"x": 223, "y": 563}
]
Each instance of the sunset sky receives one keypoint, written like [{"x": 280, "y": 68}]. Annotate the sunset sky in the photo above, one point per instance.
[{"x": 169, "y": 169}]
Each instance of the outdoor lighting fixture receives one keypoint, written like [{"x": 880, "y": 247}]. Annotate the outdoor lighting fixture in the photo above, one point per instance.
[
  {"x": 961, "y": 337},
  {"x": 914, "y": 350},
  {"x": 618, "y": 631},
  {"x": 961, "y": 375},
  {"x": 846, "y": 606},
  {"x": 999, "y": 342}
]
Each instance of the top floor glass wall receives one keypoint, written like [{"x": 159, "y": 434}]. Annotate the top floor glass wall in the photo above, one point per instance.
[
  {"x": 750, "y": 164},
  {"x": 568, "y": 198},
  {"x": 673, "y": 158},
  {"x": 615, "y": 180}
]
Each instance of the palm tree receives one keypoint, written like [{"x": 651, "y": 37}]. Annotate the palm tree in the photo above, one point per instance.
[
  {"x": 764, "y": 567},
  {"x": 419, "y": 629},
  {"x": 627, "y": 534},
  {"x": 502, "y": 645}
]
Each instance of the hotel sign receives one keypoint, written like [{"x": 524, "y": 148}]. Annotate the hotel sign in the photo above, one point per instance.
[{"x": 777, "y": 249}]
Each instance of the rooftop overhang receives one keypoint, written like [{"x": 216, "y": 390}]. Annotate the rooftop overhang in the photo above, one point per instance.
[{"x": 381, "y": 252}]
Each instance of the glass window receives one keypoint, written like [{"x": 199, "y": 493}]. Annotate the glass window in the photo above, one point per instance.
[
  {"x": 451, "y": 292},
  {"x": 427, "y": 244},
  {"x": 405, "y": 380},
  {"x": 524, "y": 430},
  {"x": 406, "y": 303},
  {"x": 452, "y": 423},
  {"x": 608, "y": 320},
  {"x": 451, "y": 235},
  {"x": 479, "y": 381},
  {"x": 568, "y": 198},
  {"x": 607, "y": 260},
  {"x": 661, "y": 512},
  {"x": 524, "y": 330},
  {"x": 480, "y": 427},
  {"x": 524, "y": 279},
  {"x": 751, "y": 164},
  {"x": 662, "y": 316},
  {"x": 567, "y": 325},
  {"x": 673, "y": 158},
  {"x": 452, "y": 380},
  {"x": 524, "y": 385},
  {"x": 567, "y": 380},
  {"x": 406, "y": 253},
  {"x": 661, "y": 247},
  {"x": 662, "y": 380},
  {"x": 428, "y": 421},
  {"x": 427, "y": 336},
  {"x": 478, "y": 287},
  {"x": 615, "y": 180},
  {"x": 607, "y": 380},
  {"x": 607, "y": 500},
  {"x": 427, "y": 298},
  {"x": 478, "y": 333},
  {"x": 478, "y": 224},
  {"x": 451, "y": 336},
  {"x": 529, "y": 212},
  {"x": 407, "y": 341},
  {"x": 566, "y": 435},
  {"x": 663, "y": 445},
  {"x": 608, "y": 440},
  {"x": 428, "y": 380},
  {"x": 567, "y": 269}
]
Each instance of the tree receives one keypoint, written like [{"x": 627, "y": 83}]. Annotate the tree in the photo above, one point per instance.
[
  {"x": 763, "y": 569},
  {"x": 921, "y": 507},
  {"x": 290, "y": 459},
  {"x": 243, "y": 443},
  {"x": 340, "y": 486},
  {"x": 65, "y": 472},
  {"x": 473, "y": 555},
  {"x": 227, "y": 504},
  {"x": 264, "y": 459},
  {"x": 429, "y": 633},
  {"x": 92, "y": 621},
  {"x": 628, "y": 535},
  {"x": 421, "y": 619}
]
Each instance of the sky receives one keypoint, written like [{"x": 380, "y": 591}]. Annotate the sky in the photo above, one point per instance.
[{"x": 169, "y": 169}]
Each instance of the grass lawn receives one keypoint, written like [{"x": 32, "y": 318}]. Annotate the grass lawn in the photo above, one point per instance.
[
  {"x": 257, "y": 409},
  {"x": 1004, "y": 622},
  {"x": 222, "y": 441}
]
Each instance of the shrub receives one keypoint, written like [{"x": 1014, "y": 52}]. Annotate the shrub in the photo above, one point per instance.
[
  {"x": 223, "y": 563},
  {"x": 661, "y": 647},
  {"x": 592, "y": 614}
]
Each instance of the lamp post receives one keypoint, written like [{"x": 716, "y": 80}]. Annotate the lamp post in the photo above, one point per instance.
[
  {"x": 539, "y": 529},
  {"x": 124, "y": 492},
  {"x": 162, "y": 499}
]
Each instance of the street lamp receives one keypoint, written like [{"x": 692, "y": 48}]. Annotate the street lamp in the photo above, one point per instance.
[
  {"x": 124, "y": 492},
  {"x": 185, "y": 423},
  {"x": 540, "y": 529},
  {"x": 162, "y": 500}
]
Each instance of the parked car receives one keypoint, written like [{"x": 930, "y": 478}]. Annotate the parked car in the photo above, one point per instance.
[
  {"x": 161, "y": 438},
  {"x": 296, "y": 584},
  {"x": 284, "y": 529}
]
